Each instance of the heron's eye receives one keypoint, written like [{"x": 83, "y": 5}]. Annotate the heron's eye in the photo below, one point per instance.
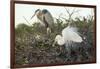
[{"x": 39, "y": 14}]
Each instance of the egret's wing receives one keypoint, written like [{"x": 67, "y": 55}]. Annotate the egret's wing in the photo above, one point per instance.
[
  {"x": 75, "y": 37},
  {"x": 71, "y": 34}
]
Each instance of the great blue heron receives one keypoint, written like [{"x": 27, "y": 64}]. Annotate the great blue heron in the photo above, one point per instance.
[{"x": 45, "y": 17}]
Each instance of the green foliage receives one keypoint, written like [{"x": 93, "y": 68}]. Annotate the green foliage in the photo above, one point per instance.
[{"x": 34, "y": 46}]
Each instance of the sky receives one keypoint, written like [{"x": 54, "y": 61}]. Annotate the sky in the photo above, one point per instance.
[{"x": 25, "y": 11}]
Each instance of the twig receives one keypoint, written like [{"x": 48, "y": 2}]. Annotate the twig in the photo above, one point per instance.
[{"x": 26, "y": 20}]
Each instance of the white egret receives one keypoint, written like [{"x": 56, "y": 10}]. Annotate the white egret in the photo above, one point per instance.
[
  {"x": 69, "y": 35},
  {"x": 45, "y": 17},
  {"x": 67, "y": 38}
]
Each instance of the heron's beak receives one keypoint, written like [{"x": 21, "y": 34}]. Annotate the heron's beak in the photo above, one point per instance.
[{"x": 33, "y": 15}]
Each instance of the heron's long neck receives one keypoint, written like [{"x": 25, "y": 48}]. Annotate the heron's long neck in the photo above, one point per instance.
[{"x": 46, "y": 23}]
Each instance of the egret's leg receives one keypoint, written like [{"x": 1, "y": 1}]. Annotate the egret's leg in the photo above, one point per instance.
[{"x": 67, "y": 48}]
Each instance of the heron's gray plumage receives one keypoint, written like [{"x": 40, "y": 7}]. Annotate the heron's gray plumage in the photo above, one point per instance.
[
  {"x": 48, "y": 18},
  {"x": 44, "y": 11},
  {"x": 45, "y": 17}
]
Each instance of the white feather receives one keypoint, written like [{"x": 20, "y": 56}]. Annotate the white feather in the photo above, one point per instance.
[
  {"x": 69, "y": 35},
  {"x": 59, "y": 40}
]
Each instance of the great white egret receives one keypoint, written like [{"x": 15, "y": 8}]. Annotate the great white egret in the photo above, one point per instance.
[
  {"x": 69, "y": 35},
  {"x": 45, "y": 17}
]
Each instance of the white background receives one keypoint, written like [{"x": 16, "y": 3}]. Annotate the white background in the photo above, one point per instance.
[{"x": 5, "y": 35}]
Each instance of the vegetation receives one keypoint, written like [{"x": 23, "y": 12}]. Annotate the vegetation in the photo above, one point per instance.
[{"x": 34, "y": 46}]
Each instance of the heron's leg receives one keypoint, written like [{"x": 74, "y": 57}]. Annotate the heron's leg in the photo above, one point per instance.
[
  {"x": 48, "y": 31},
  {"x": 47, "y": 26}
]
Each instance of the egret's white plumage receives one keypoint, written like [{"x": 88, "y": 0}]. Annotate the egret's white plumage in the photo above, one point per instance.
[
  {"x": 59, "y": 39},
  {"x": 69, "y": 35}
]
